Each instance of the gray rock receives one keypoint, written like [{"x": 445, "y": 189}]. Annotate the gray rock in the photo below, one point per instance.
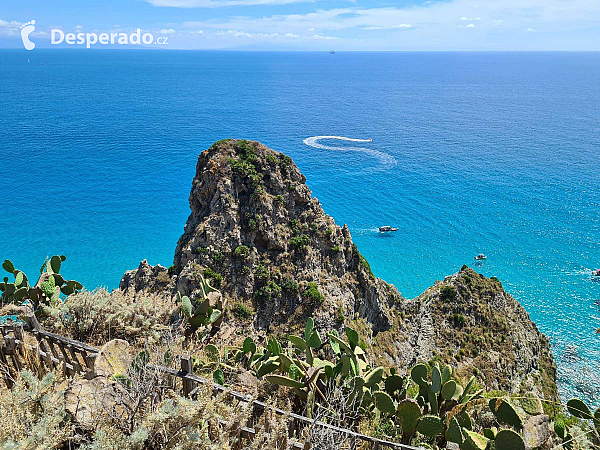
[{"x": 536, "y": 431}]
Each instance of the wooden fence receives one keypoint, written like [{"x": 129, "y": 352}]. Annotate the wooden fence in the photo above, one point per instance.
[{"x": 55, "y": 351}]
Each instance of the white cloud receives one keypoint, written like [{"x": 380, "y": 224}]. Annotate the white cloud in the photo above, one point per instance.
[
  {"x": 78, "y": 27},
  {"x": 529, "y": 29},
  {"x": 167, "y": 31},
  {"x": 391, "y": 27},
  {"x": 198, "y": 32},
  {"x": 11, "y": 24},
  {"x": 469, "y": 19},
  {"x": 327, "y": 38},
  {"x": 471, "y": 25},
  {"x": 291, "y": 35}
]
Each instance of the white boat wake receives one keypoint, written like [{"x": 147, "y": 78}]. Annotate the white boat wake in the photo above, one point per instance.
[{"x": 387, "y": 160}]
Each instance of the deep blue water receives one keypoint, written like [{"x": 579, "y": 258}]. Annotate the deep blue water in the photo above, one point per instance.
[{"x": 494, "y": 152}]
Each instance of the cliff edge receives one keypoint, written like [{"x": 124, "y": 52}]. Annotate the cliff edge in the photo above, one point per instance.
[{"x": 256, "y": 231}]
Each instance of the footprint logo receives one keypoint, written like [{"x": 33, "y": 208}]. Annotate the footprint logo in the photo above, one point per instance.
[{"x": 26, "y": 30}]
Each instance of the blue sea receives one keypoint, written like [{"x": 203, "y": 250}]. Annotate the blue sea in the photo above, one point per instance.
[{"x": 472, "y": 152}]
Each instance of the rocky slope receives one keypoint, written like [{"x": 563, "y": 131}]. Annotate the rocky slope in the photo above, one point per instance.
[{"x": 257, "y": 232}]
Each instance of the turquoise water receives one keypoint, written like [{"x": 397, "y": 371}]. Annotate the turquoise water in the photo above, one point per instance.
[{"x": 472, "y": 152}]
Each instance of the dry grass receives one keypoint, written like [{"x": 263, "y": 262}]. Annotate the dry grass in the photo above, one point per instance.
[{"x": 97, "y": 317}]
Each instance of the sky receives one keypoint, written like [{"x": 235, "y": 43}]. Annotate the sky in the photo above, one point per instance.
[{"x": 341, "y": 25}]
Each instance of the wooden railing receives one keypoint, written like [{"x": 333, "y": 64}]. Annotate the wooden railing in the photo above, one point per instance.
[{"x": 56, "y": 351}]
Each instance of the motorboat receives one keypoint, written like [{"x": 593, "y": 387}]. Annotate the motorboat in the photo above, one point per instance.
[
  {"x": 597, "y": 273},
  {"x": 386, "y": 229},
  {"x": 332, "y": 52},
  {"x": 480, "y": 257}
]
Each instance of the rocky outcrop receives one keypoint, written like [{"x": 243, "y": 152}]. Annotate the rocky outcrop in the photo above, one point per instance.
[
  {"x": 256, "y": 231},
  {"x": 469, "y": 321}
]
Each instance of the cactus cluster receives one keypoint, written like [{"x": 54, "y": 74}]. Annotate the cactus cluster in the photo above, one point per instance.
[
  {"x": 206, "y": 310},
  {"x": 46, "y": 291}
]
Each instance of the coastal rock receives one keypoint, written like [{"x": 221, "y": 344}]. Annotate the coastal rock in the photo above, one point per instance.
[
  {"x": 536, "y": 431},
  {"x": 155, "y": 278},
  {"x": 257, "y": 234},
  {"x": 86, "y": 400}
]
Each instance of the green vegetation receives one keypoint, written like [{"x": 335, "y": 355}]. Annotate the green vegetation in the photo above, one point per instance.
[
  {"x": 47, "y": 290},
  {"x": 242, "y": 312},
  {"x": 262, "y": 272},
  {"x": 289, "y": 285},
  {"x": 200, "y": 249},
  {"x": 217, "y": 278},
  {"x": 269, "y": 291},
  {"x": 335, "y": 248},
  {"x": 312, "y": 293},
  {"x": 242, "y": 251},
  {"x": 448, "y": 293},
  {"x": 299, "y": 243},
  {"x": 201, "y": 312},
  {"x": 278, "y": 199}
]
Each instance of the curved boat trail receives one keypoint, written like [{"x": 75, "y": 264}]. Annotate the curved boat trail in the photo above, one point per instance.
[{"x": 387, "y": 161}]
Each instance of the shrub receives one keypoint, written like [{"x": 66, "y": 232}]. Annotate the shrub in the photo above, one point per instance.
[
  {"x": 299, "y": 242},
  {"x": 171, "y": 269},
  {"x": 272, "y": 159},
  {"x": 98, "y": 316},
  {"x": 339, "y": 315},
  {"x": 201, "y": 249},
  {"x": 217, "y": 256},
  {"x": 268, "y": 291},
  {"x": 328, "y": 231},
  {"x": 295, "y": 226},
  {"x": 458, "y": 320},
  {"x": 246, "y": 270},
  {"x": 448, "y": 293},
  {"x": 312, "y": 293},
  {"x": 262, "y": 272},
  {"x": 242, "y": 251},
  {"x": 335, "y": 248},
  {"x": 279, "y": 199},
  {"x": 289, "y": 285},
  {"x": 216, "y": 278},
  {"x": 251, "y": 225},
  {"x": 242, "y": 312},
  {"x": 285, "y": 160}
]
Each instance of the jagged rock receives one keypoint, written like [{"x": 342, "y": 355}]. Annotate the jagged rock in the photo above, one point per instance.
[
  {"x": 257, "y": 233},
  {"x": 245, "y": 194},
  {"x": 536, "y": 431},
  {"x": 85, "y": 400},
  {"x": 146, "y": 277},
  {"x": 114, "y": 358}
]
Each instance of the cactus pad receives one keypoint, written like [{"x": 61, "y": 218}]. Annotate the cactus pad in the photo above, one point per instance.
[
  {"x": 430, "y": 426},
  {"x": 579, "y": 409},
  {"x": 409, "y": 414},
  {"x": 419, "y": 374},
  {"x": 475, "y": 441},
  {"x": 449, "y": 389},
  {"x": 509, "y": 440},
  {"x": 505, "y": 413},
  {"x": 531, "y": 404},
  {"x": 383, "y": 402}
]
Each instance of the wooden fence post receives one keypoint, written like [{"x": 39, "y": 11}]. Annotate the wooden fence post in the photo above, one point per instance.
[{"x": 186, "y": 366}]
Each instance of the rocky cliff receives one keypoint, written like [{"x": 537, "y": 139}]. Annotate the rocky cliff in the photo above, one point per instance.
[{"x": 256, "y": 231}]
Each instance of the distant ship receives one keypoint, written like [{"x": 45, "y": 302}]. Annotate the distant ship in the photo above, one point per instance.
[
  {"x": 597, "y": 273},
  {"x": 332, "y": 52},
  {"x": 480, "y": 257},
  {"x": 387, "y": 228}
]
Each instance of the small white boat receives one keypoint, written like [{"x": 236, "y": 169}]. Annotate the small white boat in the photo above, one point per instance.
[
  {"x": 597, "y": 273},
  {"x": 387, "y": 228},
  {"x": 370, "y": 139},
  {"x": 480, "y": 257},
  {"x": 332, "y": 52}
]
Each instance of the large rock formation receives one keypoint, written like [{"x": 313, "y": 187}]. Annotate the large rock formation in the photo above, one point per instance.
[{"x": 257, "y": 233}]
